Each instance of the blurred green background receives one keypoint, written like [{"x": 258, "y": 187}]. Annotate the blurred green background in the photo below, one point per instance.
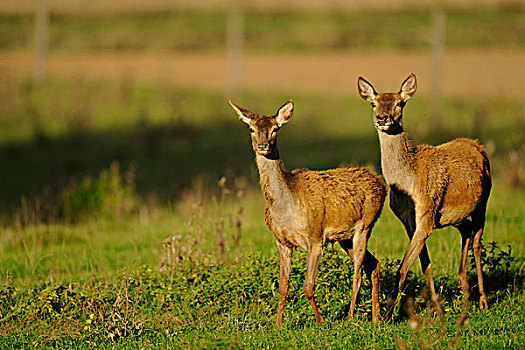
[{"x": 146, "y": 83}]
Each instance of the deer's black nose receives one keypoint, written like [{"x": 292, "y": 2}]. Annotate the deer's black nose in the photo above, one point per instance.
[
  {"x": 381, "y": 119},
  {"x": 262, "y": 146}
]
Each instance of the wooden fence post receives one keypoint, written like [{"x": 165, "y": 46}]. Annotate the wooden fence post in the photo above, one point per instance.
[
  {"x": 41, "y": 40},
  {"x": 234, "y": 51},
  {"x": 439, "y": 33}
]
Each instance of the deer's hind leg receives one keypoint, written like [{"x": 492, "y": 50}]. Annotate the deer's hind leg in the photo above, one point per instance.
[
  {"x": 371, "y": 267},
  {"x": 465, "y": 228},
  {"x": 478, "y": 224},
  {"x": 363, "y": 259}
]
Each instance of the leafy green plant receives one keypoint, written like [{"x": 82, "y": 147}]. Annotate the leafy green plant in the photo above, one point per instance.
[
  {"x": 110, "y": 195},
  {"x": 149, "y": 303},
  {"x": 497, "y": 271},
  {"x": 493, "y": 258}
]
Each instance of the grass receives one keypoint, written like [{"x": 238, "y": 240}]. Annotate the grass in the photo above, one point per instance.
[
  {"x": 158, "y": 249},
  {"x": 205, "y": 305},
  {"x": 270, "y": 31}
]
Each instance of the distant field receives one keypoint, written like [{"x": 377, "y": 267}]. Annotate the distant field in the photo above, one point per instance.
[
  {"x": 116, "y": 7},
  {"x": 467, "y": 74},
  {"x": 270, "y": 31}
]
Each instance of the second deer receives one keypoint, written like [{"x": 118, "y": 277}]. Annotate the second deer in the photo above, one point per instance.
[
  {"x": 430, "y": 187},
  {"x": 306, "y": 209}
]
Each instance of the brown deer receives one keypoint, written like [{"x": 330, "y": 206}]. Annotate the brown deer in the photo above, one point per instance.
[
  {"x": 430, "y": 187},
  {"x": 306, "y": 209}
]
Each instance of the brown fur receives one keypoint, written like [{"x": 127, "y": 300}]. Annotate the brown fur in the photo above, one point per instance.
[
  {"x": 431, "y": 187},
  {"x": 306, "y": 209}
]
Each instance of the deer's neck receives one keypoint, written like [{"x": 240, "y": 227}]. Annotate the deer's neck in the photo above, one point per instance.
[
  {"x": 397, "y": 160},
  {"x": 273, "y": 182}
]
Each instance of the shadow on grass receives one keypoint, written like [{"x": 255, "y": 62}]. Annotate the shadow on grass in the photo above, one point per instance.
[{"x": 168, "y": 157}]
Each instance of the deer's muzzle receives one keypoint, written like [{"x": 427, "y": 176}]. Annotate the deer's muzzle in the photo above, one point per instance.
[
  {"x": 384, "y": 122},
  {"x": 262, "y": 148}
]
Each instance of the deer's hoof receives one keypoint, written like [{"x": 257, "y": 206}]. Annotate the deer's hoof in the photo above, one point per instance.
[{"x": 483, "y": 303}]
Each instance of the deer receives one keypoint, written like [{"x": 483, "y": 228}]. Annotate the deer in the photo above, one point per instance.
[
  {"x": 307, "y": 209},
  {"x": 430, "y": 187}
]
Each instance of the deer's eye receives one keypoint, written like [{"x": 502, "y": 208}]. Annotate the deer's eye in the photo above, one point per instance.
[
  {"x": 251, "y": 130},
  {"x": 401, "y": 104},
  {"x": 373, "y": 104}
]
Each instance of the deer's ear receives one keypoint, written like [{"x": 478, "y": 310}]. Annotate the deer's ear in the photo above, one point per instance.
[
  {"x": 409, "y": 87},
  {"x": 366, "y": 90},
  {"x": 244, "y": 114},
  {"x": 284, "y": 113}
]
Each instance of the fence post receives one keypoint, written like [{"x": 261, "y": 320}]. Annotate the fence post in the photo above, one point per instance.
[
  {"x": 41, "y": 40},
  {"x": 439, "y": 30},
  {"x": 234, "y": 50}
]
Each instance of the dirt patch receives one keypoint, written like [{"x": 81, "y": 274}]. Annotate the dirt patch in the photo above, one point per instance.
[{"x": 484, "y": 73}]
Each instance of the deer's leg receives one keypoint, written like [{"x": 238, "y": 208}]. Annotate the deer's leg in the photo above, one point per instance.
[
  {"x": 359, "y": 244},
  {"x": 465, "y": 228},
  {"x": 371, "y": 266},
  {"x": 417, "y": 247},
  {"x": 315, "y": 252},
  {"x": 347, "y": 245},
  {"x": 285, "y": 263},
  {"x": 478, "y": 223},
  {"x": 360, "y": 240},
  {"x": 426, "y": 267}
]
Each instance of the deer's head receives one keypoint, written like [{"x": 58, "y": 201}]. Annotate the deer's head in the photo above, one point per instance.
[
  {"x": 263, "y": 129},
  {"x": 387, "y": 108}
]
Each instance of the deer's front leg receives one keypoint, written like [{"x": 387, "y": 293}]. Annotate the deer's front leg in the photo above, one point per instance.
[
  {"x": 424, "y": 226},
  {"x": 285, "y": 263},
  {"x": 315, "y": 252}
]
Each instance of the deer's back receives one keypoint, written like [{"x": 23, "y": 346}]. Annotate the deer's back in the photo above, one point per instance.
[{"x": 349, "y": 185}]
